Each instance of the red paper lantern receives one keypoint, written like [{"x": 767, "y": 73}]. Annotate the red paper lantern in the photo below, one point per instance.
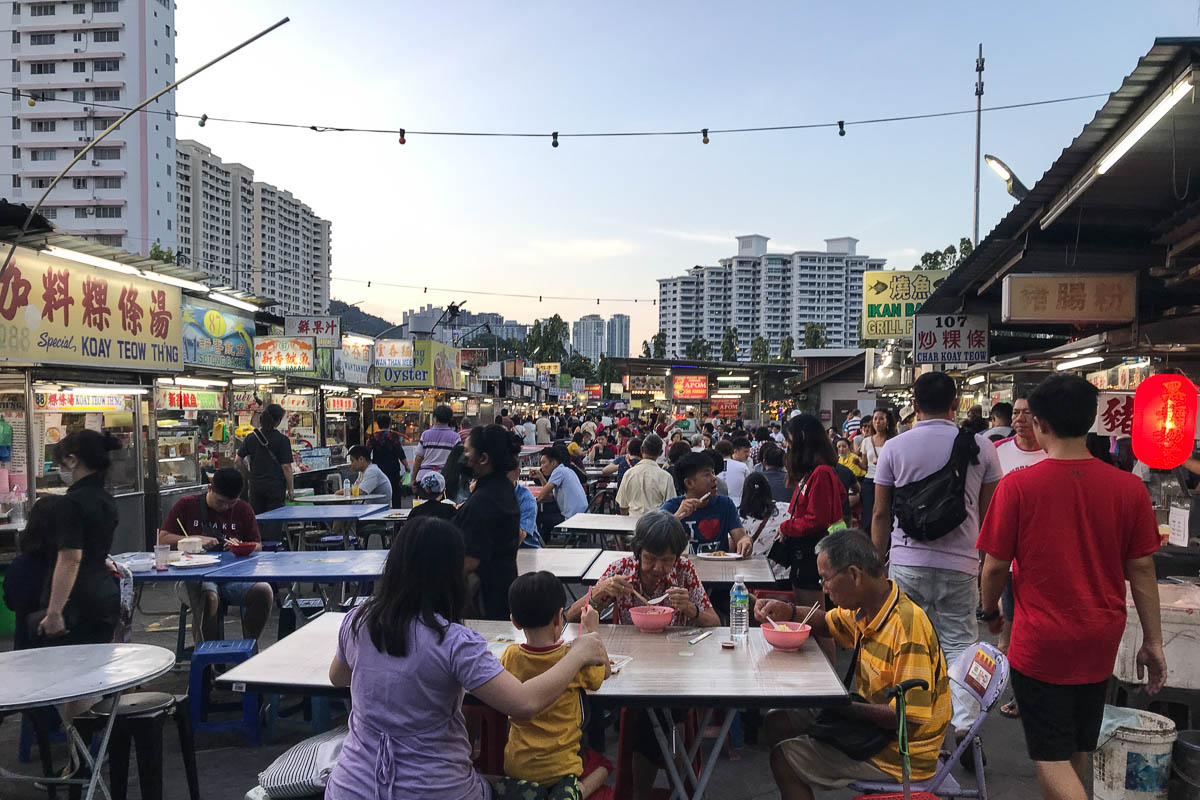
[{"x": 1164, "y": 421}]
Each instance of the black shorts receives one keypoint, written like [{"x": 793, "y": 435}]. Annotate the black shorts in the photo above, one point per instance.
[
  {"x": 804, "y": 573},
  {"x": 1059, "y": 720}
]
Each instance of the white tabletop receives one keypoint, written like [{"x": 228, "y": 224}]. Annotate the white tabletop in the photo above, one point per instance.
[
  {"x": 598, "y": 523},
  {"x": 568, "y": 564},
  {"x": 49, "y": 675},
  {"x": 754, "y": 570},
  {"x": 665, "y": 670},
  {"x": 331, "y": 499}
]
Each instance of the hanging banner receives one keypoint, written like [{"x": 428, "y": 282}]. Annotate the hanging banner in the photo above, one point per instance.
[
  {"x": 394, "y": 353},
  {"x": 188, "y": 400},
  {"x": 216, "y": 335},
  {"x": 892, "y": 298},
  {"x": 352, "y": 363},
  {"x": 435, "y": 365},
  {"x": 950, "y": 338},
  {"x": 56, "y": 311},
  {"x": 689, "y": 387},
  {"x": 284, "y": 354},
  {"x": 1070, "y": 297},
  {"x": 322, "y": 327},
  {"x": 549, "y": 367}
]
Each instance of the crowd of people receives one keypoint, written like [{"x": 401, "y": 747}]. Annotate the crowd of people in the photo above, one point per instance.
[{"x": 909, "y": 538}]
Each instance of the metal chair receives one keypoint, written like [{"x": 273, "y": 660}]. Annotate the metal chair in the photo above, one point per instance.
[{"x": 983, "y": 672}]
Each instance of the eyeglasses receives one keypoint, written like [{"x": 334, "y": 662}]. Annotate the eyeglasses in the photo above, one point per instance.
[{"x": 822, "y": 581}]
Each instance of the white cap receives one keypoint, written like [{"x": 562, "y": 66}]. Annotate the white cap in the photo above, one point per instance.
[{"x": 739, "y": 578}]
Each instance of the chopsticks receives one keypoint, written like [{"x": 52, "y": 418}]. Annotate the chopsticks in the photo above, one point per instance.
[{"x": 182, "y": 529}]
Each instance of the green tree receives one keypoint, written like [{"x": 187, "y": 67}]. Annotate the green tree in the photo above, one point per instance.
[
  {"x": 659, "y": 343},
  {"x": 948, "y": 258},
  {"x": 158, "y": 254},
  {"x": 580, "y": 366},
  {"x": 698, "y": 349},
  {"x": 814, "y": 336},
  {"x": 552, "y": 337},
  {"x": 786, "y": 344},
  {"x": 861, "y": 341},
  {"x": 607, "y": 372},
  {"x": 759, "y": 350},
  {"x": 729, "y": 345},
  {"x": 645, "y": 349}
]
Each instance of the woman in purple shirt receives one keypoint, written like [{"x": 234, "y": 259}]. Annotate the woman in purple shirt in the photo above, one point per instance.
[{"x": 408, "y": 661}]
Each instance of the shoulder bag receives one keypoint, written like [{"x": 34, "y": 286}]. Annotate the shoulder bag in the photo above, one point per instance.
[{"x": 858, "y": 738}]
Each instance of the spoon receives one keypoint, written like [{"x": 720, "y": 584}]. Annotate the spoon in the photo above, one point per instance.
[
  {"x": 778, "y": 626},
  {"x": 656, "y": 600}
]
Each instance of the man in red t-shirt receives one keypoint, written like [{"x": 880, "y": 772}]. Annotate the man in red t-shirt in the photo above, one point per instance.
[
  {"x": 219, "y": 518},
  {"x": 1077, "y": 529}
]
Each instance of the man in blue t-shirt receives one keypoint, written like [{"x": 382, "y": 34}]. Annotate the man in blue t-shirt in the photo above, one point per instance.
[
  {"x": 560, "y": 483},
  {"x": 711, "y": 520}
]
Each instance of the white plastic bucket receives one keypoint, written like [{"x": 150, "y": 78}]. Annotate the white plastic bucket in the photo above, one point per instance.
[{"x": 1135, "y": 764}]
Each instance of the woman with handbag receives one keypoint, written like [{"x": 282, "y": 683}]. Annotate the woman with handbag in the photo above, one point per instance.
[
  {"x": 269, "y": 456},
  {"x": 761, "y": 517},
  {"x": 817, "y": 506}
]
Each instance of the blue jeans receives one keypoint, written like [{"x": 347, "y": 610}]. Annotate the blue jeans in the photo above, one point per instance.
[{"x": 949, "y": 598}]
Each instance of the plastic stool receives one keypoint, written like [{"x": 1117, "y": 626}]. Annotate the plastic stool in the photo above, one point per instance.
[
  {"x": 308, "y": 608},
  {"x": 220, "y": 652},
  {"x": 182, "y": 651},
  {"x": 493, "y": 736},
  {"x": 333, "y": 542},
  {"x": 272, "y": 547},
  {"x": 140, "y": 718},
  {"x": 624, "y": 773}
]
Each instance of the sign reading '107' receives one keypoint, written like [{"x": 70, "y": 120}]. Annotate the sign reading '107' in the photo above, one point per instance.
[{"x": 950, "y": 338}]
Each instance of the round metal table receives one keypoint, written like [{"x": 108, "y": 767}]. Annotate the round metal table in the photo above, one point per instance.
[{"x": 49, "y": 676}]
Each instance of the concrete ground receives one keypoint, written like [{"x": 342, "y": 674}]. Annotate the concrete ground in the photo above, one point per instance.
[{"x": 228, "y": 768}]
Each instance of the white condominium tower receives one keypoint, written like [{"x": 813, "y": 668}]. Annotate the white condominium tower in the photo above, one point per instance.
[
  {"x": 766, "y": 294},
  {"x": 83, "y": 64},
  {"x": 292, "y": 252}
]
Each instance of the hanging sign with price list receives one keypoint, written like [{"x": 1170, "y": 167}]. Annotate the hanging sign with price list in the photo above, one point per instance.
[{"x": 950, "y": 338}]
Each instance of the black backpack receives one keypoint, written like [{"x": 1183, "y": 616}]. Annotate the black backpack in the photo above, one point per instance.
[{"x": 930, "y": 508}]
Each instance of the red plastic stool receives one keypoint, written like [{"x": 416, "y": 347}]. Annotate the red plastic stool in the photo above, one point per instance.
[
  {"x": 488, "y": 746},
  {"x": 624, "y": 776}
]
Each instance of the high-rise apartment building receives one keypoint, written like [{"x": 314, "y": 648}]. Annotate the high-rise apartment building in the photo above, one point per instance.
[
  {"x": 616, "y": 343},
  {"x": 587, "y": 336},
  {"x": 766, "y": 294},
  {"x": 292, "y": 252},
  {"x": 431, "y": 321},
  {"x": 216, "y": 216},
  {"x": 82, "y": 64}
]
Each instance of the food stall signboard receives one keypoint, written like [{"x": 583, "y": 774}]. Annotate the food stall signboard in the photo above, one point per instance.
[
  {"x": 577, "y": 384},
  {"x": 327, "y": 330},
  {"x": 528, "y": 374},
  {"x": 216, "y": 335},
  {"x": 490, "y": 371},
  {"x": 340, "y": 405},
  {"x": 724, "y": 406},
  {"x": 1070, "y": 297},
  {"x": 892, "y": 298},
  {"x": 81, "y": 401},
  {"x": 284, "y": 354},
  {"x": 188, "y": 400},
  {"x": 246, "y": 401},
  {"x": 689, "y": 387},
  {"x": 297, "y": 402},
  {"x": 1114, "y": 414},
  {"x": 950, "y": 338},
  {"x": 397, "y": 404},
  {"x": 394, "y": 353},
  {"x": 474, "y": 357},
  {"x": 57, "y": 311},
  {"x": 549, "y": 367},
  {"x": 435, "y": 365},
  {"x": 647, "y": 384},
  {"x": 352, "y": 364},
  {"x": 593, "y": 391}
]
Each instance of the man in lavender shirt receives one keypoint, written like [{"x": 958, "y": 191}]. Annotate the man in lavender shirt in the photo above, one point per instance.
[
  {"x": 435, "y": 445},
  {"x": 940, "y": 576}
]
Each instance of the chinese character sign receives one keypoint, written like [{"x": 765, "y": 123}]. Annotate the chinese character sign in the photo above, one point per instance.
[
  {"x": 549, "y": 367},
  {"x": 1114, "y": 414},
  {"x": 188, "y": 399},
  {"x": 352, "y": 363},
  {"x": 950, "y": 338},
  {"x": 217, "y": 335},
  {"x": 1164, "y": 420},
  {"x": 891, "y": 299},
  {"x": 326, "y": 330},
  {"x": 689, "y": 387},
  {"x": 394, "y": 353},
  {"x": 1070, "y": 297},
  {"x": 53, "y": 310},
  {"x": 284, "y": 354}
]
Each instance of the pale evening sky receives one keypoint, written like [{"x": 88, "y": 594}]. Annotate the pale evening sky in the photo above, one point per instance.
[{"x": 606, "y": 217}]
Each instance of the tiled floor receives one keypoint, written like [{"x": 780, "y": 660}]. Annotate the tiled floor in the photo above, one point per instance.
[{"x": 228, "y": 768}]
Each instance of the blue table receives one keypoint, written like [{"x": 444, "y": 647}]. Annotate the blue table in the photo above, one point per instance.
[
  {"x": 192, "y": 574},
  {"x": 308, "y": 565},
  {"x": 325, "y": 515}
]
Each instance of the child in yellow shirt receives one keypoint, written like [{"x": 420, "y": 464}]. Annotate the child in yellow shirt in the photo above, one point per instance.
[{"x": 544, "y": 757}]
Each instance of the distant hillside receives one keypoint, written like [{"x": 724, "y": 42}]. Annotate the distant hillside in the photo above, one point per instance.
[{"x": 358, "y": 321}]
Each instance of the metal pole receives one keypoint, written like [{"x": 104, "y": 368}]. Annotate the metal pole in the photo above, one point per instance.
[
  {"x": 80, "y": 155},
  {"x": 978, "y": 124}
]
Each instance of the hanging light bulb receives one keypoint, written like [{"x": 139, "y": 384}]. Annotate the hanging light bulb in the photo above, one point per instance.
[
  {"x": 402, "y": 137},
  {"x": 704, "y": 135},
  {"x": 32, "y": 102},
  {"x": 841, "y": 127},
  {"x": 554, "y": 139},
  {"x": 203, "y": 120}
]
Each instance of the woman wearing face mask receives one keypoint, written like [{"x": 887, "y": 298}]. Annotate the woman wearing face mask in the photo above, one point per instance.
[
  {"x": 490, "y": 519},
  {"x": 82, "y": 600}
]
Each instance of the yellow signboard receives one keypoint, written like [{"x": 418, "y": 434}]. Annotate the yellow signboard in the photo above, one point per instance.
[
  {"x": 53, "y": 310},
  {"x": 549, "y": 367},
  {"x": 891, "y": 299},
  {"x": 435, "y": 365}
]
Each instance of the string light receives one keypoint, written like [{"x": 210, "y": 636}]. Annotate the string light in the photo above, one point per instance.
[
  {"x": 540, "y": 298},
  {"x": 402, "y": 137},
  {"x": 841, "y": 127},
  {"x": 203, "y": 119},
  {"x": 704, "y": 135},
  {"x": 554, "y": 139}
]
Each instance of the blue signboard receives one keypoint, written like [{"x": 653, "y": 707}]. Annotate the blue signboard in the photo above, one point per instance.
[{"x": 216, "y": 335}]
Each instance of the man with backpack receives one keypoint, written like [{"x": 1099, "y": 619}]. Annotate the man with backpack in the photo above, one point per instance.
[
  {"x": 933, "y": 484},
  {"x": 387, "y": 453}
]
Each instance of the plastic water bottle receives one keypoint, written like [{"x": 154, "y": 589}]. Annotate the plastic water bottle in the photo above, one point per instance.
[
  {"x": 346, "y": 487},
  {"x": 739, "y": 609}
]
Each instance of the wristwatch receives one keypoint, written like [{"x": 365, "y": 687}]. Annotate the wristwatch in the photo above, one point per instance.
[{"x": 992, "y": 617}]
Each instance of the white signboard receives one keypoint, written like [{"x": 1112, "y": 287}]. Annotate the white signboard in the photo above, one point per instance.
[
  {"x": 490, "y": 371},
  {"x": 577, "y": 384},
  {"x": 326, "y": 329},
  {"x": 950, "y": 338},
  {"x": 394, "y": 353},
  {"x": 1114, "y": 414}
]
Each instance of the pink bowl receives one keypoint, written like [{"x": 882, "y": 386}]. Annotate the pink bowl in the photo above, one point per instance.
[
  {"x": 788, "y": 641},
  {"x": 651, "y": 619}
]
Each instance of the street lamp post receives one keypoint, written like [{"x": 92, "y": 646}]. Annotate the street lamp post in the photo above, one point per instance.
[{"x": 1011, "y": 182}]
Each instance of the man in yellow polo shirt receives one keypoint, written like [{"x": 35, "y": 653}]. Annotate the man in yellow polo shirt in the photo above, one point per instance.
[{"x": 895, "y": 642}]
